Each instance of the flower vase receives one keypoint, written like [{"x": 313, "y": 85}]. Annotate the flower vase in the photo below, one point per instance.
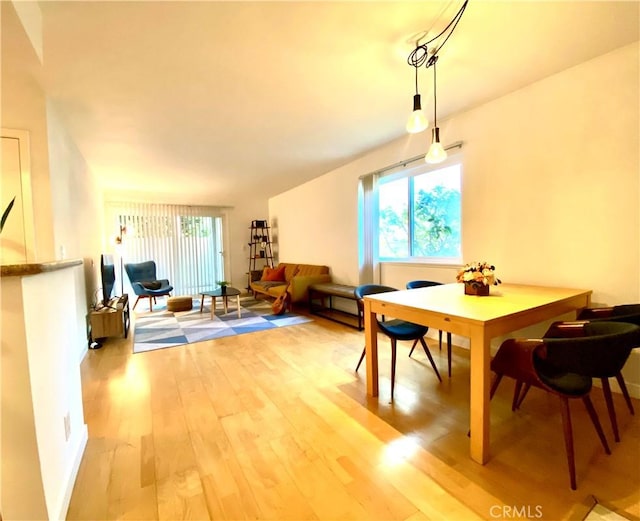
[
  {"x": 481, "y": 290},
  {"x": 223, "y": 290}
]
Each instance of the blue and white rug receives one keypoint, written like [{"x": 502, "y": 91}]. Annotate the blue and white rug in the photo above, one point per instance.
[{"x": 161, "y": 328}]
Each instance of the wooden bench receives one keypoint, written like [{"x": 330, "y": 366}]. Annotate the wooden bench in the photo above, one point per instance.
[{"x": 325, "y": 293}]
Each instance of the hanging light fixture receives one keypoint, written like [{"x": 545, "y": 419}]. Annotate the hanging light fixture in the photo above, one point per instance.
[
  {"x": 422, "y": 55},
  {"x": 417, "y": 119},
  {"x": 436, "y": 153}
]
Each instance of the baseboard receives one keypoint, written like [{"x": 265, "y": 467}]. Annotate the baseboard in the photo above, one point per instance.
[
  {"x": 634, "y": 390},
  {"x": 632, "y": 387},
  {"x": 603, "y": 511},
  {"x": 73, "y": 474},
  {"x": 83, "y": 352}
]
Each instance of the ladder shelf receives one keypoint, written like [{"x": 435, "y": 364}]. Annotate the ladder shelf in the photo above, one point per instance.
[{"x": 260, "y": 252}]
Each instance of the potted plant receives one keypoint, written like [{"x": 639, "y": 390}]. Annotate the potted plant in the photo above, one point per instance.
[
  {"x": 477, "y": 277},
  {"x": 223, "y": 286},
  {"x": 6, "y": 213}
]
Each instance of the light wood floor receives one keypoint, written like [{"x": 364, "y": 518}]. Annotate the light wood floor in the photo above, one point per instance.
[{"x": 276, "y": 425}]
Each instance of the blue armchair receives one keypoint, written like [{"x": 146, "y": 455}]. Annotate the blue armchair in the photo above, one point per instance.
[{"x": 144, "y": 283}]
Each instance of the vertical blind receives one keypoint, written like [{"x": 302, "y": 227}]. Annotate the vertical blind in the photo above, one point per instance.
[
  {"x": 369, "y": 266},
  {"x": 186, "y": 243}
]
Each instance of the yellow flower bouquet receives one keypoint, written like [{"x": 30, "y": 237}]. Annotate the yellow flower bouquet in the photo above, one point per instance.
[{"x": 477, "y": 277}]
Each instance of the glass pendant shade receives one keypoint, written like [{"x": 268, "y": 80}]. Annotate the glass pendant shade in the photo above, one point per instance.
[
  {"x": 417, "y": 120},
  {"x": 436, "y": 153}
]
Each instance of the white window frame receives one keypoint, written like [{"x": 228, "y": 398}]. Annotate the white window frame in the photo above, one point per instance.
[{"x": 411, "y": 172}]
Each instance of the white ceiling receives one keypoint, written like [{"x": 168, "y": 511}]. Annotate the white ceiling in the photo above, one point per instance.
[{"x": 208, "y": 101}]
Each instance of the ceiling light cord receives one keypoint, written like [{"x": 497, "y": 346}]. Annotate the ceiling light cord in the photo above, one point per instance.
[
  {"x": 436, "y": 153},
  {"x": 417, "y": 121},
  {"x": 435, "y": 97},
  {"x": 420, "y": 55}
]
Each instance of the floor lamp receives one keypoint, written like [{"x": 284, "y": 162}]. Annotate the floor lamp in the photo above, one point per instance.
[{"x": 120, "y": 250}]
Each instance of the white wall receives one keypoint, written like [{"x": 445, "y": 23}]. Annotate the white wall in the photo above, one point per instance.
[
  {"x": 24, "y": 108},
  {"x": 77, "y": 210},
  {"x": 67, "y": 205},
  {"x": 551, "y": 189},
  {"x": 239, "y": 234},
  {"x": 40, "y": 386},
  {"x": 42, "y": 344}
]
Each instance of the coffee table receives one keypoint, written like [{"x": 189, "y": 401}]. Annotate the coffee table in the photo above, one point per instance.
[{"x": 217, "y": 293}]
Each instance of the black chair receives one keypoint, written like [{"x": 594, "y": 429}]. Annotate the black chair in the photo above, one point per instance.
[
  {"x": 413, "y": 284},
  {"x": 623, "y": 313},
  {"x": 395, "y": 329},
  {"x": 560, "y": 363},
  {"x": 615, "y": 358}
]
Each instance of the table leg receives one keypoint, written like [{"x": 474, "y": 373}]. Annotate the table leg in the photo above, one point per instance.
[
  {"x": 479, "y": 420},
  {"x": 201, "y": 303},
  {"x": 371, "y": 349},
  {"x": 238, "y": 304},
  {"x": 213, "y": 307},
  {"x": 225, "y": 304}
]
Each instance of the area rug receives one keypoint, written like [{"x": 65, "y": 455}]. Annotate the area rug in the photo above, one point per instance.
[
  {"x": 603, "y": 512},
  {"x": 161, "y": 328}
]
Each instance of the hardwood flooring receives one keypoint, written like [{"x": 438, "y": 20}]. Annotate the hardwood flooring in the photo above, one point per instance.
[{"x": 276, "y": 425}]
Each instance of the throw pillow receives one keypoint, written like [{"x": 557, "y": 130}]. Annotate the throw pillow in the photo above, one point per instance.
[
  {"x": 152, "y": 284},
  {"x": 274, "y": 274}
]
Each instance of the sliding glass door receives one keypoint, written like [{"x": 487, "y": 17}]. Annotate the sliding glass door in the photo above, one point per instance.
[{"x": 185, "y": 242}]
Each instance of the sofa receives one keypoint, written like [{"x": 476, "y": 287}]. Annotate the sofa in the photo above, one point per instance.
[{"x": 301, "y": 277}]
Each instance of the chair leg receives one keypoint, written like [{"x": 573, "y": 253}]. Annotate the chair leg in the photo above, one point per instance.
[
  {"x": 568, "y": 439},
  {"x": 516, "y": 394},
  {"x": 494, "y": 385},
  {"x": 361, "y": 358},
  {"x": 523, "y": 395},
  {"x": 393, "y": 365},
  {"x": 494, "y": 388},
  {"x": 151, "y": 303},
  {"x": 415, "y": 342},
  {"x": 449, "y": 352},
  {"x": 625, "y": 393},
  {"x": 134, "y": 306},
  {"x": 428, "y": 353},
  {"x": 596, "y": 423},
  {"x": 608, "y": 398}
]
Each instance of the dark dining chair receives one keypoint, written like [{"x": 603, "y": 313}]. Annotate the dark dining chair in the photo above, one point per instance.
[
  {"x": 142, "y": 276},
  {"x": 622, "y": 313},
  {"x": 413, "y": 284},
  {"x": 560, "y": 363},
  {"x": 395, "y": 329},
  {"x": 615, "y": 358}
]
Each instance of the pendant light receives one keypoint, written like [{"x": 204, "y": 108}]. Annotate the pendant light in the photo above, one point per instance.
[
  {"x": 417, "y": 119},
  {"x": 436, "y": 153},
  {"x": 428, "y": 56}
]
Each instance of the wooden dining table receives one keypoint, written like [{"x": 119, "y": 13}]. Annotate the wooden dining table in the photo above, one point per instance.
[{"x": 507, "y": 308}]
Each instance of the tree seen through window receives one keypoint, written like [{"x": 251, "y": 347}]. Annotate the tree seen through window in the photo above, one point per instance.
[{"x": 420, "y": 216}]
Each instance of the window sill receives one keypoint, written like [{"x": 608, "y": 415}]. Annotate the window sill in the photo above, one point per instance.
[{"x": 440, "y": 263}]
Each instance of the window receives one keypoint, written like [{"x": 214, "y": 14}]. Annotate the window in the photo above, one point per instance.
[
  {"x": 419, "y": 214},
  {"x": 394, "y": 218},
  {"x": 185, "y": 242}
]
